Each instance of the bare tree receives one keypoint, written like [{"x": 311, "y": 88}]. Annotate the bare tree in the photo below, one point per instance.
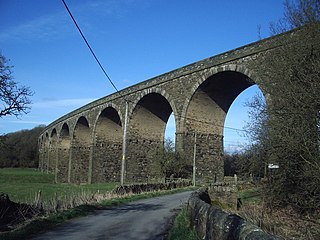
[
  {"x": 14, "y": 99},
  {"x": 297, "y": 14}
]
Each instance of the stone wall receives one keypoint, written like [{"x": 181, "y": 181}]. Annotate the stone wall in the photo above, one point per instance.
[
  {"x": 150, "y": 187},
  {"x": 212, "y": 223},
  {"x": 62, "y": 165}
]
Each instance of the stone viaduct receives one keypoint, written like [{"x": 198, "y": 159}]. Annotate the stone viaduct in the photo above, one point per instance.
[{"x": 86, "y": 145}]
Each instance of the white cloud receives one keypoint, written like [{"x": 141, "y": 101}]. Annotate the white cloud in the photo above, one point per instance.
[
  {"x": 57, "y": 24},
  {"x": 39, "y": 28},
  {"x": 28, "y": 122},
  {"x": 75, "y": 102}
]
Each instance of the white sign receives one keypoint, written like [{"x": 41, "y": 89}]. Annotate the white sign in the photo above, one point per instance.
[{"x": 271, "y": 165}]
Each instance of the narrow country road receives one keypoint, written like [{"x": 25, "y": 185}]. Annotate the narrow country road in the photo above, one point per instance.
[{"x": 143, "y": 219}]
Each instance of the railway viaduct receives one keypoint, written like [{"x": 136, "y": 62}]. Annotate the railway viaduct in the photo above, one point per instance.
[{"x": 87, "y": 145}]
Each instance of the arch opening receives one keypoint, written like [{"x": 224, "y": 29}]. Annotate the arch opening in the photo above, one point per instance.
[
  {"x": 146, "y": 134},
  {"x": 65, "y": 140},
  {"x": 108, "y": 147},
  {"x": 211, "y": 101},
  {"x": 46, "y": 145},
  {"x": 150, "y": 116},
  {"x": 205, "y": 117},
  {"x": 53, "y": 147},
  {"x": 63, "y": 154},
  {"x": 81, "y": 147},
  {"x": 235, "y": 138},
  {"x": 170, "y": 132}
]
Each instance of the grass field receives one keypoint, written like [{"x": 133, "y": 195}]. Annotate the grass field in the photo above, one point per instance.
[{"x": 22, "y": 185}]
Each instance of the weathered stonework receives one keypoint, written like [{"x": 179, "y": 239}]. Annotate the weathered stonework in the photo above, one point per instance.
[
  {"x": 212, "y": 223},
  {"x": 86, "y": 145}
]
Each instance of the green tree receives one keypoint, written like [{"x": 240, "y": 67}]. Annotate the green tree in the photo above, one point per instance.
[
  {"x": 230, "y": 161},
  {"x": 167, "y": 163}
]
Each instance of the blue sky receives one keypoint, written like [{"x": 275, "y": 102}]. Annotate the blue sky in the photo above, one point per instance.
[{"x": 134, "y": 40}]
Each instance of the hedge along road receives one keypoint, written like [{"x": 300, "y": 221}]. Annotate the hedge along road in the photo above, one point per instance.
[{"x": 143, "y": 219}]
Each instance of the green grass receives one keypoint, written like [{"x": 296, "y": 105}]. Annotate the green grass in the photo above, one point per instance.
[
  {"x": 22, "y": 185},
  {"x": 181, "y": 229}
]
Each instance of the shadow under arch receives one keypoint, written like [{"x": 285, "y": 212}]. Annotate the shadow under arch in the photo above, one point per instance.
[
  {"x": 43, "y": 152},
  {"x": 146, "y": 134},
  {"x": 107, "y": 149},
  {"x": 46, "y": 144},
  {"x": 80, "y": 151},
  {"x": 63, "y": 154},
  {"x": 204, "y": 116},
  {"x": 53, "y": 151}
]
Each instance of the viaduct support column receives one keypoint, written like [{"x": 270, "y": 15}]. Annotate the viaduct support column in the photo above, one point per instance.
[{"x": 208, "y": 157}]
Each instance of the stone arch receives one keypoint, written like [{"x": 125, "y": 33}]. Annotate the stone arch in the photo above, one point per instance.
[
  {"x": 161, "y": 92},
  {"x": 46, "y": 145},
  {"x": 205, "y": 75},
  {"x": 107, "y": 149},
  {"x": 52, "y": 160},
  {"x": 63, "y": 153},
  {"x": 40, "y": 151},
  {"x": 81, "y": 148},
  {"x": 148, "y": 119},
  {"x": 204, "y": 115}
]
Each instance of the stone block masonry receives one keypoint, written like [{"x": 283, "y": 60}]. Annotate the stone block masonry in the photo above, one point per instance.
[
  {"x": 212, "y": 223},
  {"x": 87, "y": 144}
]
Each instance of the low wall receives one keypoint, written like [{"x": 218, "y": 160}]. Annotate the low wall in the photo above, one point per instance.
[
  {"x": 149, "y": 187},
  {"x": 212, "y": 223}
]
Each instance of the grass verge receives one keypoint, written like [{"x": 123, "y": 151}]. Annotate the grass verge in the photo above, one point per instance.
[{"x": 181, "y": 229}]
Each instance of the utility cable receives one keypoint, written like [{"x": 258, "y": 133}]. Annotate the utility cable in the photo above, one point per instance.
[
  {"x": 88, "y": 45},
  {"x": 105, "y": 73},
  {"x": 213, "y": 124}
]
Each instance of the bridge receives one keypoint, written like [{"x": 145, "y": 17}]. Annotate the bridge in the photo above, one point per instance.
[{"x": 111, "y": 137}]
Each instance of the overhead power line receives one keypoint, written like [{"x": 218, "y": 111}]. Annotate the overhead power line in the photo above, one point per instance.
[
  {"x": 88, "y": 45},
  {"x": 212, "y": 124},
  {"x": 105, "y": 73}
]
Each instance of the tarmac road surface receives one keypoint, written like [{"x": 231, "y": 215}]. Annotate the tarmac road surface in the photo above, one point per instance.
[{"x": 143, "y": 219}]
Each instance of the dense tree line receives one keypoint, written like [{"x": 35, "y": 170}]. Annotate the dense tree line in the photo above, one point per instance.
[{"x": 20, "y": 149}]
